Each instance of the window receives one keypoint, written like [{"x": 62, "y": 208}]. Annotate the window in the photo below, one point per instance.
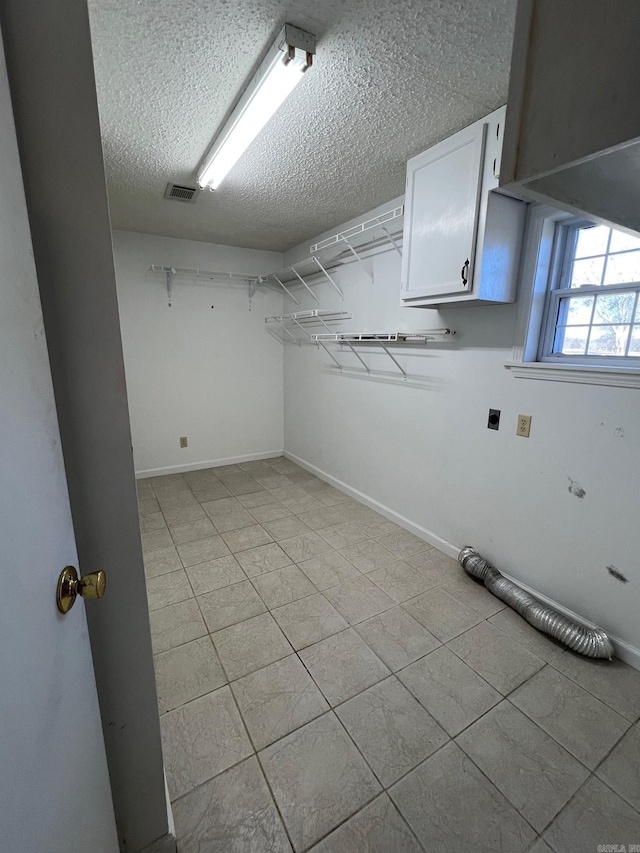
[
  {"x": 593, "y": 310},
  {"x": 579, "y": 302}
]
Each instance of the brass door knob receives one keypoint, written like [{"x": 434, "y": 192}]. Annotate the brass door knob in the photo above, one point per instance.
[{"x": 70, "y": 586}]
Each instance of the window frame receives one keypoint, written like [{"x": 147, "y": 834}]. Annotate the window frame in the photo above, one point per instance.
[
  {"x": 559, "y": 288},
  {"x": 544, "y": 262}
]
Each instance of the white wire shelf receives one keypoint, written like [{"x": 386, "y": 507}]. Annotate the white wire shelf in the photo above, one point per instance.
[
  {"x": 170, "y": 273},
  {"x": 390, "y": 222},
  {"x": 315, "y": 315},
  {"x": 352, "y": 244},
  {"x": 210, "y": 274},
  {"x": 382, "y": 339},
  {"x": 387, "y": 337},
  {"x": 349, "y": 246}
]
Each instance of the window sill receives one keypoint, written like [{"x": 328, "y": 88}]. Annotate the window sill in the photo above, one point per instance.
[{"x": 619, "y": 377}]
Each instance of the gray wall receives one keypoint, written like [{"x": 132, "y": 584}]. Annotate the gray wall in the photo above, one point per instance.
[{"x": 50, "y": 69}]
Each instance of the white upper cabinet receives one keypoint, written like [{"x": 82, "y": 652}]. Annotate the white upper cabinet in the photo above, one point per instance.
[
  {"x": 572, "y": 134},
  {"x": 441, "y": 203},
  {"x": 461, "y": 239}
]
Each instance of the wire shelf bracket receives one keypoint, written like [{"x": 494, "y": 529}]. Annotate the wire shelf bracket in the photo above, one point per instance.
[
  {"x": 284, "y": 287},
  {"x": 358, "y": 259},
  {"x": 331, "y": 281},
  {"x": 297, "y": 274}
]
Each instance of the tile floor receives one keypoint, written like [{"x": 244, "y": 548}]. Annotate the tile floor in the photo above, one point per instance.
[{"x": 329, "y": 682}]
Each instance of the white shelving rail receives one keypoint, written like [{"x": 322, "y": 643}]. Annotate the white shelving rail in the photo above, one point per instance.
[
  {"x": 391, "y": 219},
  {"x": 251, "y": 280},
  {"x": 349, "y": 245},
  {"x": 382, "y": 339}
]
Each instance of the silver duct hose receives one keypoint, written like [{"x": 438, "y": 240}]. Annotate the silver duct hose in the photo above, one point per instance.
[{"x": 592, "y": 642}]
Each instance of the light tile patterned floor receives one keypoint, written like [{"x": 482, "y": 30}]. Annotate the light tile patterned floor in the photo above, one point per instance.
[{"x": 327, "y": 681}]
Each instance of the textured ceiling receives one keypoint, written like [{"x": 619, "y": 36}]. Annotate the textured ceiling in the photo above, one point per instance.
[{"x": 391, "y": 78}]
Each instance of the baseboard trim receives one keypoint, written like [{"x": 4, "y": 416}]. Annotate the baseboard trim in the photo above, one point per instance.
[
  {"x": 211, "y": 463},
  {"x": 165, "y": 844},
  {"x": 428, "y": 535},
  {"x": 625, "y": 651}
]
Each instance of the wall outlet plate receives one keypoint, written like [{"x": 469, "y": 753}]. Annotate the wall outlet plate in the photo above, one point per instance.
[
  {"x": 494, "y": 419},
  {"x": 523, "y": 427},
  {"x": 183, "y": 441}
]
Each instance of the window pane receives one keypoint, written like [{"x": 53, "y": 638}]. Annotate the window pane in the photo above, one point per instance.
[
  {"x": 596, "y": 314},
  {"x": 608, "y": 340},
  {"x": 614, "y": 308},
  {"x": 575, "y": 311},
  {"x": 571, "y": 340},
  {"x": 592, "y": 241},
  {"x": 587, "y": 272},
  {"x": 620, "y": 242},
  {"x": 623, "y": 268}
]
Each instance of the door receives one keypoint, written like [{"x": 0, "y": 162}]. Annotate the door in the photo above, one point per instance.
[
  {"x": 55, "y": 795},
  {"x": 441, "y": 215}
]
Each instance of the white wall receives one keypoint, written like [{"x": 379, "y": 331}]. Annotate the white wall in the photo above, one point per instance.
[
  {"x": 212, "y": 374},
  {"x": 423, "y": 451}
]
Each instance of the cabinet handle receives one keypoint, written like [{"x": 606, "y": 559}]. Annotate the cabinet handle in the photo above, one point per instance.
[{"x": 464, "y": 272}]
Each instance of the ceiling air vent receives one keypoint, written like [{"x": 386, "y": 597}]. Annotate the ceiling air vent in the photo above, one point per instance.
[{"x": 177, "y": 192}]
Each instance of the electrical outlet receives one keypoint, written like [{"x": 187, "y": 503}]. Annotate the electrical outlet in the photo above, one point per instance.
[
  {"x": 494, "y": 419},
  {"x": 524, "y": 426},
  {"x": 185, "y": 443}
]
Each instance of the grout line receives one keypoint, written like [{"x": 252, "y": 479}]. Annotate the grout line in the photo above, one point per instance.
[
  {"x": 443, "y": 582},
  {"x": 569, "y": 652},
  {"x": 607, "y": 785},
  {"x": 273, "y": 799}
]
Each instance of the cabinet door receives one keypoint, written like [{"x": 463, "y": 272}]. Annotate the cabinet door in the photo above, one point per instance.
[{"x": 441, "y": 215}]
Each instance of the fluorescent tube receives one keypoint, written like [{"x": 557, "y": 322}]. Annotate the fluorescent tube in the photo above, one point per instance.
[{"x": 276, "y": 78}]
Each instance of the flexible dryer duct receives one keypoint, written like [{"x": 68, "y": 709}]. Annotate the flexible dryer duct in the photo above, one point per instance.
[{"x": 592, "y": 642}]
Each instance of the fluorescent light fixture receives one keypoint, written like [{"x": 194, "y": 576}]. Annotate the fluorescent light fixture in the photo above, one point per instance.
[{"x": 278, "y": 75}]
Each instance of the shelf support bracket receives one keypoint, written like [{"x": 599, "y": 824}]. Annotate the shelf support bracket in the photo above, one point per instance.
[
  {"x": 328, "y": 276},
  {"x": 320, "y": 343},
  {"x": 170, "y": 275},
  {"x": 300, "y": 326},
  {"x": 392, "y": 239},
  {"x": 357, "y": 257},
  {"x": 393, "y": 359},
  {"x": 286, "y": 290},
  {"x": 328, "y": 328},
  {"x": 357, "y": 355},
  {"x": 295, "y": 271},
  {"x": 253, "y": 286},
  {"x": 285, "y": 330},
  {"x": 326, "y": 348},
  {"x": 331, "y": 355}
]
